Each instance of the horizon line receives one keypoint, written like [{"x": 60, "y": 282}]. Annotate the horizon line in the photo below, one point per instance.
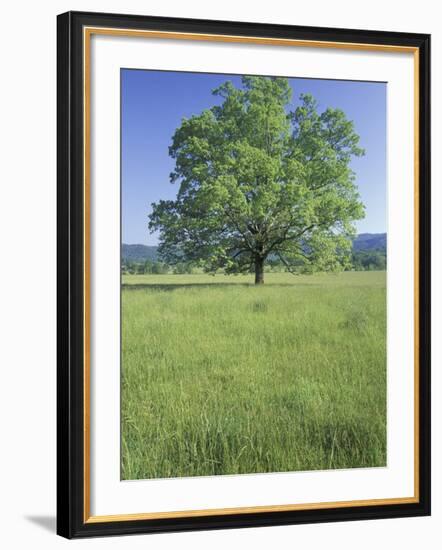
[{"x": 358, "y": 235}]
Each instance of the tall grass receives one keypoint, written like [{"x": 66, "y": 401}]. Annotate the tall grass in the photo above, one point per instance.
[{"x": 222, "y": 377}]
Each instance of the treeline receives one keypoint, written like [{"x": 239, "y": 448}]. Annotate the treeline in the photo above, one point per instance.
[
  {"x": 155, "y": 267},
  {"x": 367, "y": 260}
]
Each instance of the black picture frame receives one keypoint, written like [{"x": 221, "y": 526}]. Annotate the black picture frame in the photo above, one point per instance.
[{"x": 71, "y": 520}]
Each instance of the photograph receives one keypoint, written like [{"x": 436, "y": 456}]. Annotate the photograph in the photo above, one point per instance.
[{"x": 253, "y": 274}]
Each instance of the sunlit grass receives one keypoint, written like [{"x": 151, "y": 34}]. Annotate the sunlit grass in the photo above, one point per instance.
[{"x": 222, "y": 377}]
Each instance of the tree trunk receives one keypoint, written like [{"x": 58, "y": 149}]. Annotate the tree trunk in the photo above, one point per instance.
[{"x": 259, "y": 271}]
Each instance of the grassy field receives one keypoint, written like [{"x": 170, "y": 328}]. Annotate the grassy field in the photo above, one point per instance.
[{"x": 222, "y": 377}]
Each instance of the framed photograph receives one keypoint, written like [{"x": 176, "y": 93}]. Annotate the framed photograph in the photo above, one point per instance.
[{"x": 243, "y": 274}]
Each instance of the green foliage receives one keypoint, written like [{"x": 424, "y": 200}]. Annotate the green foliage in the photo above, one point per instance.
[
  {"x": 130, "y": 267},
  {"x": 258, "y": 180},
  {"x": 159, "y": 268},
  {"x": 370, "y": 260},
  {"x": 182, "y": 268},
  {"x": 221, "y": 377}
]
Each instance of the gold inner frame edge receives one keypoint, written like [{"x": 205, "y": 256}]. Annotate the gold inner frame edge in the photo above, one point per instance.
[{"x": 87, "y": 33}]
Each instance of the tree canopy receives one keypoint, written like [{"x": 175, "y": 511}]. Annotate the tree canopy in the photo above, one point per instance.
[{"x": 258, "y": 180}]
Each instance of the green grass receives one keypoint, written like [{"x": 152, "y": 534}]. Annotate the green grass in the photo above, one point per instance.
[{"x": 222, "y": 377}]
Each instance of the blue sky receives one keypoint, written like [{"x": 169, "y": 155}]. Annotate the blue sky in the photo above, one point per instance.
[{"x": 154, "y": 102}]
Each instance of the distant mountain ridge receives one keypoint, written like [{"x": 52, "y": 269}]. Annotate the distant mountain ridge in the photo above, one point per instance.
[
  {"x": 139, "y": 252},
  {"x": 370, "y": 241},
  {"x": 142, "y": 252}
]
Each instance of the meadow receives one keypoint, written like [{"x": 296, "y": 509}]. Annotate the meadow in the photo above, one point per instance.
[{"x": 220, "y": 376}]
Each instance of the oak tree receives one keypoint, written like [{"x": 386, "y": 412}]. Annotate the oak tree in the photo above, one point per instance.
[{"x": 258, "y": 180}]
